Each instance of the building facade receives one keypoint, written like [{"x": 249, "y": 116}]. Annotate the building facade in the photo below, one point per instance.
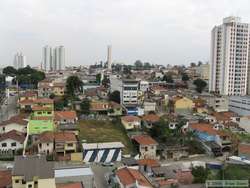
[
  {"x": 19, "y": 61},
  {"x": 53, "y": 59},
  {"x": 240, "y": 105},
  {"x": 230, "y": 57},
  {"x": 129, "y": 95}
]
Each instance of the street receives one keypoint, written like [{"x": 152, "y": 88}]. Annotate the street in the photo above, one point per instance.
[{"x": 9, "y": 109}]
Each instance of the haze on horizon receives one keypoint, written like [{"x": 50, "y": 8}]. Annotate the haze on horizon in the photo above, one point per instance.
[{"x": 156, "y": 31}]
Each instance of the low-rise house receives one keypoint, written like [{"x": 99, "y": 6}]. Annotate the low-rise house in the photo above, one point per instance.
[
  {"x": 102, "y": 152},
  {"x": 244, "y": 150},
  {"x": 18, "y": 123},
  {"x": 218, "y": 103},
  {"x": 131, "y": 122},
  {"x": 208, "y": 133},
  {"x": 150, "y": 120},
  {"x": 70, "y": 185},
  {"x": 44, "y": 88},
  {"x": 106, "y": 108},
  {"x": 244, "y": 123},
  {"x": 183, "y": 105},
  {"x": 12, "y": 140},
  {"x": 146, "y": 165},
  {"x": 225, "y": 117},
  {"x": 149, "y": 106},
  {"x": 28, "y": 95},
  {"x": 128, "y": 178},
  {"x": 45, "y": 143},
  {"x": 65, "y": 142},
  {"x": 33, "y": 172},
  {"x": 58, "y": 88},
  {"x": 158, "y": 90},
  {"x": 146, "y": 145},
  {"x": 65, "y": 117}
]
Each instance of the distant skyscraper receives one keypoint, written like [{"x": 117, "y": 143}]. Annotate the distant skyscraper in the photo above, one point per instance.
[
  {"x": 230, "y": 69},
  {"x": 53, "y": 60},
  {"x": 47, "y": 58},
  {"x": 19, "y": 61},
  {"x": 109, "y": 57}
]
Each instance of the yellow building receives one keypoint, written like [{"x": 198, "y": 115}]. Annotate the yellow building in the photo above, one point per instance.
[
  {"x": 58, "y": 89},
  {"x": 26, "y": 175},
  {"x": 183, "y": 105}
]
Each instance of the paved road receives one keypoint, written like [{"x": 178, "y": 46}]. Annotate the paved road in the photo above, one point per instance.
[
  {"x": 8, "y": 110},
  {"x": 100, "y": 172}
]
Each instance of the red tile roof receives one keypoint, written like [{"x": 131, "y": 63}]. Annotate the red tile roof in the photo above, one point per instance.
[
  {"x": 151, "y": 118},
  {"x": 29, "y": 94},
  {"x": 19, "y": 119},
  {"x": 5, "y": 178},
  {"x": 44, "y": 101},
  {"x": 149, "y": 162},
  {"x": 130, "y": 118},
  {"x": 46, "y": 137},
  {"x": 65, "y": 115},
  {"x": 223, "y": 116},
  {"x": 145, "y": 140},
  {"x": 244, "y": 148},
  {"x": 128, "y": 176},
  {"x": 65, "y": 137},
  {"x": 26, "y": 102},
  {"x": 14, "y": 135},
  {"x": 208, "y": 128}
]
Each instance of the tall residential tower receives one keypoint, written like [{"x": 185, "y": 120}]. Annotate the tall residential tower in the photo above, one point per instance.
[
  {"x": 19, "y": 61},
  {"x": 229, "y": 73},
  {"x": 53, "y": 59},
  {"x": 109, "y": 57}
]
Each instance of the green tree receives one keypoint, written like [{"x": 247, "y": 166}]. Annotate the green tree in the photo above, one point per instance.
[
  {"x": 200, "y": 85},
  {"x": 138, "y": 64},
  {"x": 9, "y": 71},
  {"x": 200, "y": 63},
  {"x": 147, "y": 65},
  {"x": 85, "y": 106},
  {"x": 168, "y": 78},
  {"x": 192, "y": 64},
  {"x": 185, "y": 77},
  {"x": 73, "y": 85},
  {"x": 115, "y": 96},
  {"x": 98, "y": 78},
  {"x": 26, "y": 70},
  {"x": 105, "y": 81},
  {"x": 126, "y": 69},
  {"x": 200, "y": 174}
]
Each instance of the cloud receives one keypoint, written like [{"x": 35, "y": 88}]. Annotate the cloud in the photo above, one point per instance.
[{"x": 158, "y": 31}]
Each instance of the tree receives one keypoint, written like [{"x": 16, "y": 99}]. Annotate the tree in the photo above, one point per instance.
[
  {"x": 52, "y": 96},
  {"x": 98, "y": 78},
  {"x": 9, "y": 71},
  {"x": 138, "y": 64},
  {"x": 73, "y": 85},
  {"x": 147, "y": 65},
  {"x": 200, "y": 63},
  {"x": 200, "y": 174},
  {"x": 115, "y": 96},
  {"x": 126, "y": 69},
  {"x": 185, "y": 77},
  {"x": 85, "y": 106},
  {"x": 105, "y": 81},
  {"x": 192, "y": 64},
  {"x": 200, "y": 85},
  {"x": 168, "y": 78}
]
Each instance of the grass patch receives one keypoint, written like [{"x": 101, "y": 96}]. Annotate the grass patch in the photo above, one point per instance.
[
  {"x": 237, "y": 172},
  {"x": 104, "y": 131}
]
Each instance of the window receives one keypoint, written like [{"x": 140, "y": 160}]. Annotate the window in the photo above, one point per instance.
[
  {"x": 36, "y": 182},
  {"x": 13, "y": 144},
  {"x": 3, "y": 128},
  {"x": 4, "y": 144},
  {"x": 23, "y": 182},
  {"x": 30, "y": 186},
  {"x": 70, "y": 145},
  {"x": 16, "y": 181},
  {"x": 146, "y": 148}
]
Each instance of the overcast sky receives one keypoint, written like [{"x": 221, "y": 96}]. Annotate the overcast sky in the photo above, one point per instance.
[{"x": 157, "y": 31}]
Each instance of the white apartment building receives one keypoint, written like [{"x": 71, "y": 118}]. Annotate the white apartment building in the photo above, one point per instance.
[
  {"x": 53, "y": 59},
  {"x": 19, "y": 61},
  {"x": 129, "y": 95},
  {"x": 47, "y": 58},
  {"x": 230, "y": 57}
]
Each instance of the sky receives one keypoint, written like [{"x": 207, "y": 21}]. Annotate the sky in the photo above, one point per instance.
[{"x": 155, "y": 31}]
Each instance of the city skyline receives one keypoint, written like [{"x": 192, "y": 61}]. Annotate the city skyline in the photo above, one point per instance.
[{"x": 135, "y": 29}]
